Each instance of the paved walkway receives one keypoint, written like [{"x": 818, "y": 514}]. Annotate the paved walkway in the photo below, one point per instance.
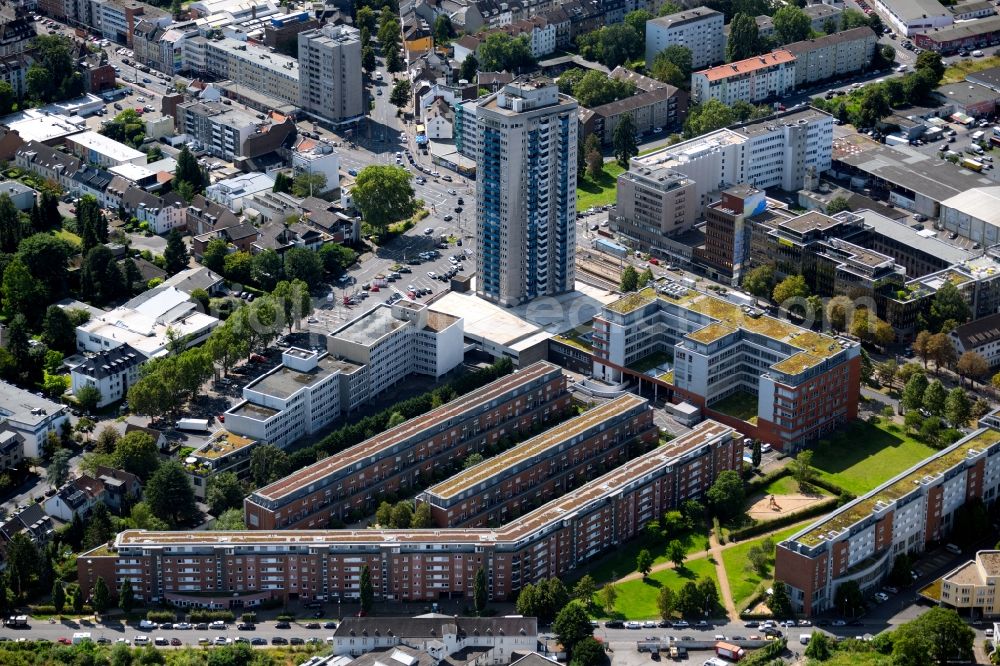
[{"x": 715, "y": 550}]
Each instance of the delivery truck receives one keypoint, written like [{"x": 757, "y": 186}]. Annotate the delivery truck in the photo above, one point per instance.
[
  {"x": 193, "y": 425},
  {"x": 729, "y": 651}
]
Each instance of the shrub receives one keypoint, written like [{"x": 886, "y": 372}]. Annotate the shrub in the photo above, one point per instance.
[{"x": 160, "y": 616}]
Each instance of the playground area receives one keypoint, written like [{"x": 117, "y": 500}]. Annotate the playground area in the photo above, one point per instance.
[{"x": 771, "y": 507}]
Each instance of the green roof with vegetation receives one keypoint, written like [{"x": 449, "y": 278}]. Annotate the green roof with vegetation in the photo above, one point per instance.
[{"x": 894, "y": 490}]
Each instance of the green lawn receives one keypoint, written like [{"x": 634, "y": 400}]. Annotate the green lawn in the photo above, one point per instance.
[
  {"x": 743, "y": 581},
  {"x": 863, "y": 455},
  {"x": 621, "y": 562},
  {"x": 637, "y": 598},
  {"x": 786, "y": 485},
  {"x": 957, "y": 72},
  {"x": 600, "y": 193},
  {"x": 741, "y": 405}
]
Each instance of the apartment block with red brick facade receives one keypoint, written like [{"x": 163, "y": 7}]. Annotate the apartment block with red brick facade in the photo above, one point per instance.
[
  {"x": 508, "y": 485},
  {"x": 860, "y": 541},
  {"x": 805, "y": 383},
  {"x": 357, "y": 478},
  {"x": 236, "y": 569}
]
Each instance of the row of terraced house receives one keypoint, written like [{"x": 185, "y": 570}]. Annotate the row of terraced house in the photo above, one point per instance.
[{"x": 237, "y": 569}]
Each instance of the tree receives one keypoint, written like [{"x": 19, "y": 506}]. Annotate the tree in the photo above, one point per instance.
[
  {"x": 58, "y": 596},
  {"x": 305, "y": 265},
  {"x": 947, "y": 304},
  {"x": 58, "y": 331},
  {"x": 224, "y": 491},
  {"x": 802, "y": 470},
  {"x": 100, "y": 596},
  {"x": 676, "y": 553},
  {"x": 230, "y": 520},
  {"x": 46, "y": 258},
  {"x": 443, "y": 30},
  {"x": 818, "y": 647},
  {"x": 934, "y": 398},
  {"x": 572, "y": 625},
  {"x": 913, "y": 392},
  {"x": 666, "y": 602},
  {"x": 630, "y": 279},
  {"x": 21, "y": 292},
  {"x": 469, "y": 69},
  {"x": 100, "y": 277},
  {"x": 678, "y": 56},
  {"x": 383, "y": 194},
  {"x": 501, "y": 52},
  {"x": 624, "y": 141},
  {"x": 645, "y": 278},
  {"x": 267, "y": 463},
  {"x": 948, "y": 636},
  {"x": 368, "y": 60},
  {"x": 778, "y": 602},
  {"x": 887, "y": 372},
  {"x": 874, "y": 106},
  {"x": 594, "y": 88},
  {"x": 759, "y": 281},
  {"x": 58, "y": 470},
  {"x": 932, "y": 62},
  {"x": 584, "y": 590},
  {"x": 127, "y": 127},
  {"x": 791, "y": 24},
  {"x": 367, "y": 591},
  {"x": 136, "y": 452},
  {"x": 980, "y": 408},
  {"x": 689, "y": 601},
  {"x": 588, "y": 652},
  {"x": 644, "y": 562},
  {"x": 972, "y": 366},
  {"x": 848, "y": 599},
  {"x": 393, "y": 61},
  {"x": 402, "y": 514},
  {"x": 920, "y": 346},
  {"x": 22, "y": 563},
  {"x": 237, "y": 266},
  {"x": 479, "y": 594},
  {"x": 75, "y": 595},
  {"x": 594, "y": 157},
  {"x": 837, "y": 204},
  {"x": 726, "y": 494},
  {"x": 611, "y": 45},
  {"x": 215, "y": 253},
  {"x": 126, "y": 596},
  {"x": 422, "y": 517},
  {"x": 99, "y": 528},
  {"x": 941, "y": 350},
  {"x": 336, "y": 258},
  {"x": 756, "y": 453},
  {"x": 793, "y": 286},
  {"x": 266, "y": 269},
  {"x": 744, "y": 38},
  {"x": 53, "y": 77},
  {"x": 608, "y": 596},
  {"x": 708, "y": 117},
  {"x": 189, "y": 171},
  {"x": 175, "y": 255},
  {"x": 282, "y": 183},
  {"x": 170, "y": 496}
]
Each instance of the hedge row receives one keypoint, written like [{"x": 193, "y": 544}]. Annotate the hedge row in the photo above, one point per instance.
[
  {"x": 828, "y": 486},
  {"x": 758, "y": 484},
  {"x": 784, "y": 521},
  {"x": 161, "y": 616},
  {"x": 203, "y": 615},
  {"x": 49, "y": 609}
]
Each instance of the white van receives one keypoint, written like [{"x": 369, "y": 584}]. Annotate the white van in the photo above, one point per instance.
[
  {"x": 141, "y": 640},
  {"x": 804, "y": 638}
]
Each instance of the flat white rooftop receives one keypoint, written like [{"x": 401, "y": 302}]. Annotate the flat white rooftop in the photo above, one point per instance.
[
  {"x": 38, "y": 125},
  {"x": 103, "y": 145}
]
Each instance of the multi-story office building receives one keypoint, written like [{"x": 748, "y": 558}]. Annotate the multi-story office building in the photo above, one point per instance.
[
  {"x": 115, "y": 19},
  {"x": 777, "y": 151},
  {"x": 330, "y": 71},
  {"x": 526, "y": 192},
  {"x": 112, "y": 372},
  {"x": 353, "y": 479},
  {"x": 698, "y": 29},
  {"x": 805, "y": 383},
  {"x": 654, "y": 204},
  {"x": 727, "y": 231},
  {"x": 298, "y": 398},
  {"x": 972, "y": 587},
  {"x": 223, "y": 452},
  {"x": 514, "y": 482},
  {"x": 397, "y": 340},
  {"x": 234, "y": 569},
  {"x": 753, "y": 80},
  {"x": 860, "y": 541},
  {"x": 833, "y": 55}
]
